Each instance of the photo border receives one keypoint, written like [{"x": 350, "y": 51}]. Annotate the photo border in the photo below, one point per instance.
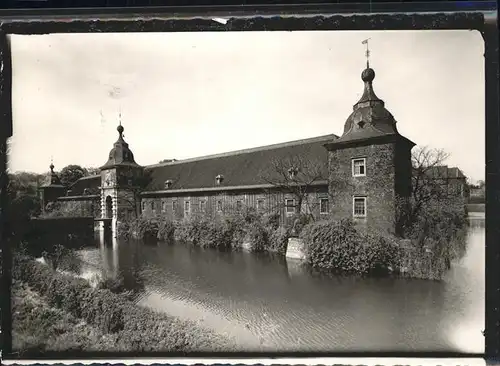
[{"x": 479, "y": 16}]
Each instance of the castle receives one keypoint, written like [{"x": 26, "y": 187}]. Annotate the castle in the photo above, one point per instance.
[{"x": 358, "y": 175}]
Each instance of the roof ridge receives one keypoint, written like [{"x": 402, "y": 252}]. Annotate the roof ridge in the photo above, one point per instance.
[
  {"x": 90, "y": 176},
  {"x": 246, "y": 151}
]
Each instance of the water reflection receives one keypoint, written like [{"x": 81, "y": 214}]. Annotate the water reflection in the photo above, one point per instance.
[{"x": 267, "y": 302}]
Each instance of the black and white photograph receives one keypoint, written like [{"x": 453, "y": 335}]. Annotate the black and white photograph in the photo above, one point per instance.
[{"x": 267, "y": 191}]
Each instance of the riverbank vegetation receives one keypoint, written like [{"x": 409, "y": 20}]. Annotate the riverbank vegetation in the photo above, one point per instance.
[
  {"x": 106, "y": 320},
  {"x": 258, "y": 233}
]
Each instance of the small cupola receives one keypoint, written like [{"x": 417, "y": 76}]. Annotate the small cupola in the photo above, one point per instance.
[
  {"x": 369, "y": 118},
  {"x": 53, "y": 179},
  {"x": 219, "y": 179},
  {"x": 120, "y": 154}
]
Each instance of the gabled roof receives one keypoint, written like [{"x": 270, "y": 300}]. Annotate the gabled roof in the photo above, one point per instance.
[
  {"x": 239, "y": 168},
  {"x": 92, "y": 183}
]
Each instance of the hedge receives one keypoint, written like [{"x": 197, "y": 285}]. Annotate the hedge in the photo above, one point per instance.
[{"x": 139, "y": 328}]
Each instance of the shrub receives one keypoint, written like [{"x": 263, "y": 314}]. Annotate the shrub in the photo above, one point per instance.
[
  {"x": 166, "y": 231},
  {"x": 441, "y": 228},
  {"x": 278, "y": 239},
  {"x": 338, "y": 246},
  {"x": 137, "y": 328},
  {"x": 299, "y": 221},
  {"x": 258, "y": 236}
]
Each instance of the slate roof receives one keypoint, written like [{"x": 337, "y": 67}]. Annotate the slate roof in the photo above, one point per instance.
[
  {"x": 239, "y": 168},
  {"x": 92, "y": 182},
  {"x": 369, "y": 118}
]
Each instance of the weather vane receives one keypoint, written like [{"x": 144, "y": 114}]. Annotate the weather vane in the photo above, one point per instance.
[{"x": 367, "y": 53}]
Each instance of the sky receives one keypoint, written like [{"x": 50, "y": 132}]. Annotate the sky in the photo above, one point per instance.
[{"x": 183, "y": 95}]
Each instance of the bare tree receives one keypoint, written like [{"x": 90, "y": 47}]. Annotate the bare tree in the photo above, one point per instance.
[
  {"x": 430, "y": 184},
  {"x": 295, "y": 175}
]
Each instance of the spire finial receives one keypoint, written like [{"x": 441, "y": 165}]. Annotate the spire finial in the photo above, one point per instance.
[
  {"x": 367, "y": 52},
  {"x": 51, "y": 166},
  {"x": 120, "y": 127}
]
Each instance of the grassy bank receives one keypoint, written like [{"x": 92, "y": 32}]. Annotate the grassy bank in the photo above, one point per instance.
[
  {"x": 104, "y": 315},
  {"x": 38, "y": 328}
]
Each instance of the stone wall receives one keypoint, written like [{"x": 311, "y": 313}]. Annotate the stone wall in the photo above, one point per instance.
[
  {"x": 85, "y": 206},
  {"x": 378, "y": 186},
  {"x": 210, "y": 203}
]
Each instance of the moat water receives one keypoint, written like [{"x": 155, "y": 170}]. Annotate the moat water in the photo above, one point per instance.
[{"x": 266, "y": 302}]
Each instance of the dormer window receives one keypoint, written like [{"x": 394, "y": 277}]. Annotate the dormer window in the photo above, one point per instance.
[
  {"x": 86, "y": 191},
  {"x": 292, "y": 173},
  {"x": 359, "y": 167},
  {"x": 219, "y": 179},
  {"x": 168, "y": 184}
]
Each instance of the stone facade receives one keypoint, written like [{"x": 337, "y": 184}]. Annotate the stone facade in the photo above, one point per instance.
[
  {"x": 387, "y": 177},
  {"x": 360, "y": 175},
  {"x": 179, "y": 206}
]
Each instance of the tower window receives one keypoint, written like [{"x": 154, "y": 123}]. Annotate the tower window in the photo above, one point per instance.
[
  {"x": 323, "y": 205},
  {"x": 359, "y": 207},
  {"x": 359, "y": 167}
]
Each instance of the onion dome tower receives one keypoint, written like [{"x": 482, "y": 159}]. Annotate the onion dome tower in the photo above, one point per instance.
[
  {"x": 119, "y": 177},
  {"x": 120, "y": 154},
  {"x": 52, "y": 189},
  {"x": 370, "y": 164}
]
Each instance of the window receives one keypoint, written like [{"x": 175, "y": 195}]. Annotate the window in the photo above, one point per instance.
[
  {"x": 238, "y": 205},
  {"x": 323, "y": 205},
  {"x": 186, "y": 207},
  {"x": 202, "y": 206},
  {"x": 260, "y": 205},
  {"x": 152, "y": 205},
  {"x": 174, "y": 206},
  {"x": 162, "y": 206},
  {"x": 290, "y": 206},
  {"x": 219, "y": 206},
  {"x": 143, "y": 205},
  {"x": 358, "y": 167},
  {"x": 359, "y": 207}
]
